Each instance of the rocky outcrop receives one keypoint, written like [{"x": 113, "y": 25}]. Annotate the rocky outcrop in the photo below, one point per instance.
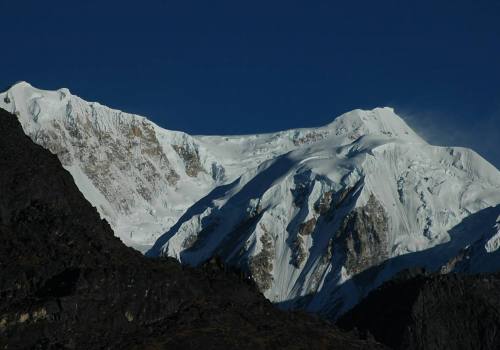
[
  {"x": 309, "y": 137},
  {"x": 132, "y": 147},
  {"x": 191, "y": 160},
  {"x": 299, "y": 253},
  {"x": 307, "y": 227},
  {"x": 363, "y": 234},
  {"x": 67, "y": 283},
  {"x": 322, "y": 207},
  {"x": 419, "y": 311},
  {"x": 261, "y": 265},
  {"x": 455, "y": 261}
]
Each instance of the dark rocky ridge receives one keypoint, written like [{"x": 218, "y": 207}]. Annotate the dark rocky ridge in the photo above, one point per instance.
[
  {"x": 431, "y": 311},
  {"x": 67, "y": 283}
]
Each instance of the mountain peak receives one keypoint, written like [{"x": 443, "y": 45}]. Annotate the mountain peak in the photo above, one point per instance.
[
  {"x": 381, "y": 121},
  {"x": 23, "y": 89},
  {"x": 21, "y": 84}
]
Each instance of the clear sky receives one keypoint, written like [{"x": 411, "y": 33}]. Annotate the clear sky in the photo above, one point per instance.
[{"x": 218, "y": 67}]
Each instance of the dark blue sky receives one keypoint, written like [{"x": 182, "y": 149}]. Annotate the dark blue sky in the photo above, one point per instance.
[{"x": 213, "y": 67}]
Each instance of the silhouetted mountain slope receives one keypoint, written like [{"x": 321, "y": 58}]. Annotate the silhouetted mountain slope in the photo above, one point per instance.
[
  {"x": 419, "y": 311},
  {"x": 67, "y": 283}
]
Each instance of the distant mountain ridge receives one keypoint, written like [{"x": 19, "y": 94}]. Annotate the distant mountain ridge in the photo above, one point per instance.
[{"x": 307, "y": 213}]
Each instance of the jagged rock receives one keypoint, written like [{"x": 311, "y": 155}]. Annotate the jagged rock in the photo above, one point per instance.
[
  {"x": 299, "y": 253},
  {"x": 67, "y": 283},
  {"x": 261, "y": 265},
  {"x": 306, "y": 228},
  {"x": 191, "y": 160},
  {"x": 309, "y": 137},
  {"x": 323, "y": 205},
  {"x": 454, "y": 262},
  {"x": 364, "y": 236}
]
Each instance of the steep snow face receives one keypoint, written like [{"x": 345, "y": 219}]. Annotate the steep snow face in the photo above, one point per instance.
[
  {"x": 139, "y": 176},
  {"x": 306, "y": 222}
]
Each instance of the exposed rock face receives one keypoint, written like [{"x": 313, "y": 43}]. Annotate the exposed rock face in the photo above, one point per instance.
[
  {"x": 310, "y": 137},
  {"x": 306, "y": 228},
  {"x": 67, "y": 283},
  {"x": 432, "y": 312},
  {"x": 191, "y": 160},
  {"x": 454, "y": 262},
  {"x": 364, "y": 236},
  {"x": 132, "y": 147},
  {"x": 299, "y": 253},
  {"x": 261, "y": 265},
  {"x": 324, "y": 203}
]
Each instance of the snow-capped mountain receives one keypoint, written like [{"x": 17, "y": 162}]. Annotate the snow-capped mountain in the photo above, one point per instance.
[
  {"x": 308, "y": 224},
  {"x": 140, "y": 177},
  {"x": 317, "y": 216}
]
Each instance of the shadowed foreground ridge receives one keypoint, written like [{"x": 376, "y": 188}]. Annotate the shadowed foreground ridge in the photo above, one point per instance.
[
  {"x": 67, "y": 283},
  {"x": 431, "y": 311}
]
